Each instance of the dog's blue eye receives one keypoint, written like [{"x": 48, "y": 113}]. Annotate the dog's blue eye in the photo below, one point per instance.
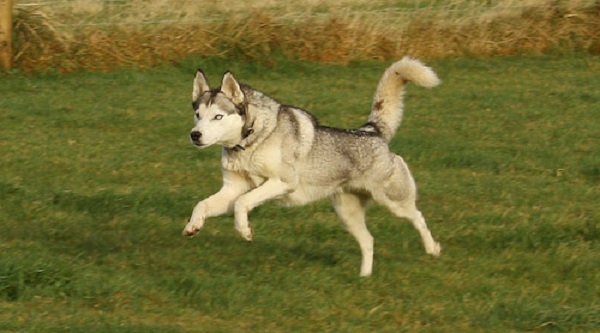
[{"x": 219, "y": 117}]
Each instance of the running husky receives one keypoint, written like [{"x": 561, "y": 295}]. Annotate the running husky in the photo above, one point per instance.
[{"x": 275, "y": 151}]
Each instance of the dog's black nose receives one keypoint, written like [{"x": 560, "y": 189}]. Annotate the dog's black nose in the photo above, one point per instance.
[{"x": 195, "y": 136}]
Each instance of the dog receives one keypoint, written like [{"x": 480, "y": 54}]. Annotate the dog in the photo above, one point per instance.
[{"x": 273, "y": 151}]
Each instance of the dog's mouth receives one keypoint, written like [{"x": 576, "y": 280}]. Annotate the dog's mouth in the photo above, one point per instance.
[{"x": 201, "y": 145}]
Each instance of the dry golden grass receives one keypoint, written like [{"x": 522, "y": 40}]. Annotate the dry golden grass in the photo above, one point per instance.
[{"x": 98, "y": 35}]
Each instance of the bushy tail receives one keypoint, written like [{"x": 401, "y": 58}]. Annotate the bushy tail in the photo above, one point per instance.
[{"x": 387, "y": 109}]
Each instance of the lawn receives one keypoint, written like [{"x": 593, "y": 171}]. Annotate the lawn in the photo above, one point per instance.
[{"x": 97, "y": 179}]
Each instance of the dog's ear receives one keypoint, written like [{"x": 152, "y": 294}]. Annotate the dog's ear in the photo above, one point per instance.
[
  {"x": 231, "y": 88},
  {"x": 200, "y": 85}
]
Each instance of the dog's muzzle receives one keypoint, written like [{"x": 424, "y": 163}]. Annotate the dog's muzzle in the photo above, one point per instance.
[{"x": 195, "y": 136}]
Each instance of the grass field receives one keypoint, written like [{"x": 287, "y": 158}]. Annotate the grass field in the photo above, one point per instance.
[{"x": 97, "y": 179}]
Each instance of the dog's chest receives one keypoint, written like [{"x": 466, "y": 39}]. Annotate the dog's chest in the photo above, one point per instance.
[{"x": 256, "y": 163}]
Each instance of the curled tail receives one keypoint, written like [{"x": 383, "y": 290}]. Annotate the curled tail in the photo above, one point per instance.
[{"x": 387, "y": 108}]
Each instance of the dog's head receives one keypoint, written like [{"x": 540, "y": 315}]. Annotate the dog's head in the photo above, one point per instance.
[{"x": 219, "y": 114}]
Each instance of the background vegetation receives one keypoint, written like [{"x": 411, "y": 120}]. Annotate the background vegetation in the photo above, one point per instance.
[
  {"x": 97, "y": 179},
  {"x": 98, "y": 34}
]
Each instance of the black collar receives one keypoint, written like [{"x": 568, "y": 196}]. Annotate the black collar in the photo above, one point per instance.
[{"x": 246, "y": 131}]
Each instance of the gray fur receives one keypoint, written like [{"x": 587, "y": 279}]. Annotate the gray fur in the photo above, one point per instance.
[{"x": 273, "y": 151}]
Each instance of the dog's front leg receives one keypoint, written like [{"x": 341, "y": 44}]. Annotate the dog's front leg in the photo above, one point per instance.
[
  {"x": 271, "y": 189},
  {"x": 217, "y": 204}
]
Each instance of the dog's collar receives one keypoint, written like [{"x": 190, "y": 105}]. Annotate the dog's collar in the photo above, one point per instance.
[{"x": 246, "y": 131}]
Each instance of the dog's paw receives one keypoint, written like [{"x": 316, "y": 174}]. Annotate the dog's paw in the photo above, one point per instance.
[
  {"x": 190, "y": 232},
  {"x": 191, "y": 229},
  {"x": 436, "y": 250},
  {"x": 365, "y": 273},
  {"x": 246, "y": 233}
]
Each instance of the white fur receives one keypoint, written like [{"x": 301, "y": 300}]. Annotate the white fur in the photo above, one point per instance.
[{"x": 285, "y": 155}]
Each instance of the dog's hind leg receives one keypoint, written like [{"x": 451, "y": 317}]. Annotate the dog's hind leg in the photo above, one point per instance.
[
  {"x": 408, "y": 210},
  {"x": 399, "y": 195},
  {"x": 416, "y": 217},
  {"x": 351, "y": 211}
]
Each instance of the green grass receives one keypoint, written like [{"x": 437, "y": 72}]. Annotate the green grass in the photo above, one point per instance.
[{"x": 97, "y": 179}]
